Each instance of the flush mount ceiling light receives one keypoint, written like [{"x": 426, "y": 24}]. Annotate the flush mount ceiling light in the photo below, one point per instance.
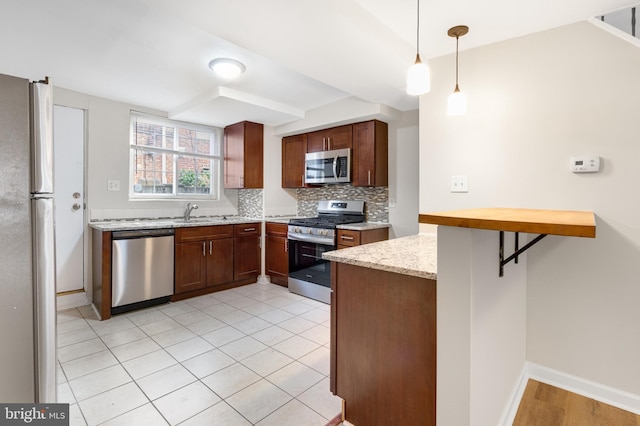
[
  {"x": 457, "y": 103},
  {"x": 418, "y": 75},
  {"x": 227, "y": 67}
]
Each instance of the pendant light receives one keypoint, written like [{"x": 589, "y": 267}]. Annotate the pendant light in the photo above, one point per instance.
[
  {"x": 457, "y": 103},
  {"x": 418, "y": 75}
]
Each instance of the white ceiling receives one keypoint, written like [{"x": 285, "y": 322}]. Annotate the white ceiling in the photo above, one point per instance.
[{"x": 299, "y": 54}]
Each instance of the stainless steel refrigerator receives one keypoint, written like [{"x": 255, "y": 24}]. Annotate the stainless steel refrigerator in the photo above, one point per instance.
[{"x": 27, "y": 249}]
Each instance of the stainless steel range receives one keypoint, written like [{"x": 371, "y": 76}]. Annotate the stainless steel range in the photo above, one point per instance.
[{"x": 309, "y": 273}]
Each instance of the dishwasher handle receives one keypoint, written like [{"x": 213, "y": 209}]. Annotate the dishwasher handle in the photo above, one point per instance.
[{"x": 141, "y": 233}]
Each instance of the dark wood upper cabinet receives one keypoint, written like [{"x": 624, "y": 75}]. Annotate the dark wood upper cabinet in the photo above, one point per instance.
[
  {"x": 334, "y": 138},
  {"x": 293, "y": 150},
  {"x": 370, "y": 154},
  {"x": 243, "y": 155}
]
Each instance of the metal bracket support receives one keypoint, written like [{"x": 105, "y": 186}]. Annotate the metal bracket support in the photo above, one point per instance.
[{"x": 518, "y": 251}]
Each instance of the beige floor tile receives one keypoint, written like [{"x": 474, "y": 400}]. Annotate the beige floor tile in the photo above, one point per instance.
[
  {"x": 293, "y": 413},
  {"x": 171, "y": 337},
  {"x": 88, "y": 364},
  {"x": 296, "y": 325},
  {"x": 220, "y": 414},
  {"x": 297, "y": 308},
  {"x": 112, "y": 403},
  {"x": 241, "y": 302},
  {"x": 206, "y": 326},
  {"x": 234, "y": 316},
  {"x": 222, "y": 336},
  {"x": 123, "y": 337},
  {"x": 72, "y": 325},
  {"x": 100, "y": 381},
  {"x": 144, "y": 415},
  {"x": 135, "y": 349},
  {"x": 316, "y": 315},
  {"x": 279, "y": 301},
  {"x": 176, "y": 308},
  {"x": 165, "y": 381},
  {"x": 147, "y": 364},
  {"x": 75, "y": 416},
  {"x": 218, "y": 309},
  {"x": 189, "y": 348},
  {"x": 251, "y": 325},
  {"x": 296, "y": 346},
  {"x": 272, "y": 335},
  {"x": 230, "y": 380},
  {"x": 319, "y": 334},
  {"x": 146, "y": 316},
  {"x": 258, "y": 308},
  {"x": 318, "y": 360},
  {"x": 276, "y": 316},
  {"x": 267, "y": 361},
  {"x": 161, "y": 326},
  {"x": 186, "y": 402},
  {"x": 191, "y": 317},
  {"x": 295, "y": 378},
  {"x": 78, "y": 350},
  {"x": 321, "y": 400},
  {"x": 258, "y": 400},
  {"x": 242, "y": 348},
  {"x": 113, "y": 325},
  {"x": 208, "y": 363},
  {"x": 75, "y": 336}
]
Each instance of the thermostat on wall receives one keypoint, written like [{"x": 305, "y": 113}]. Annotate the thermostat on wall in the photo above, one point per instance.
[{"x": 585, "y": 164}]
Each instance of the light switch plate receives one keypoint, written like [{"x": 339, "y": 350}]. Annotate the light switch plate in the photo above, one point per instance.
[{"x": 459, "y": 184}]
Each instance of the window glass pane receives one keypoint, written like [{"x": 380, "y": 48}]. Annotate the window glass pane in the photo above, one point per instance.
[
  {"x": 194, "y": 142},
  {"x": 194, "y": 175},
  {"x": 152, "y": 135},
  {"x": 152, "y": 173}
]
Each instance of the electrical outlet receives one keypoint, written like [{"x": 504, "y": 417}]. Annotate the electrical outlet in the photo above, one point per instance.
[
  {"x": 459, "y": 184},
  {"x": 113, "y": 185}
]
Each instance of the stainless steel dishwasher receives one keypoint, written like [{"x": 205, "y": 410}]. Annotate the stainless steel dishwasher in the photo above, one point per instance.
[{"x": 141, "y": 268}]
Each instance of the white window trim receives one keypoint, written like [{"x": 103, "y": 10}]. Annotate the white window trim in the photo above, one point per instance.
[{"x": 162, "y": 121}]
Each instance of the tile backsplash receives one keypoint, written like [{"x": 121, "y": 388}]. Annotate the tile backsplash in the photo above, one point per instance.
[
  {"x": 250, "y": 203},
  {"x": 376, "y": 199}
]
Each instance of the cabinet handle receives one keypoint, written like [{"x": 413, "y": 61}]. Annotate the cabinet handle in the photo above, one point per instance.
[
  {"x": 204, "y": 248},
  {"x": 346, "y": 237},
  {"x": 369, "y": 177},
  {"x": 286, "y": 246},
  {"x": 249, "y": 229},
  {"x": 324, "y": 144},
  {"x": 210, "y": 248},
  {"x": 328, "y": 143}
]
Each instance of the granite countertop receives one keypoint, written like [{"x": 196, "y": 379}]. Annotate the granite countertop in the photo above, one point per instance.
[
  {"x": 122, "y": 225},
  {"x": 363, "y": 226},
  {"x": 415, "y": 255}
]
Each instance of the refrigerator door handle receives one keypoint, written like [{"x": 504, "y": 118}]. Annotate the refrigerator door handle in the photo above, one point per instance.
[
  {"x": 41, "y": 137},
  {"x": 44, "y": 274}
]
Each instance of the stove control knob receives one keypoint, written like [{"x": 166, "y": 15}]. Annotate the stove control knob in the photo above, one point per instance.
[{"x": 310, "y": 231}]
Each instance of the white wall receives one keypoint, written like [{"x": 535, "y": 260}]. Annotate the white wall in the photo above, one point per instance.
[
  {"x": 277, "y": 201},
  {"x": 534, "y": 102},
  {"x": 108, "y": 158}
]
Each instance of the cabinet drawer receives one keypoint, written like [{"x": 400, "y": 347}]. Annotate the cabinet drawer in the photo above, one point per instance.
[
  {"x": 348, "y": 238},
  {"x": 277, "y": 229},
  {"x": 247, "y": 229},
  {"x": 201, "y": 233}
]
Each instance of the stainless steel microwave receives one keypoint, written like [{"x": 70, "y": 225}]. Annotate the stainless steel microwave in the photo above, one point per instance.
[{"x": 328, "y": 166}]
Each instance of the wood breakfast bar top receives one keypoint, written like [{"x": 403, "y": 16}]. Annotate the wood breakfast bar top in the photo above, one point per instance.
[{"x": 552, "y": 222}]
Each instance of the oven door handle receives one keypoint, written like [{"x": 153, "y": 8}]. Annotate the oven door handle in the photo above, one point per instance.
[{"x": 312, "y": 239}]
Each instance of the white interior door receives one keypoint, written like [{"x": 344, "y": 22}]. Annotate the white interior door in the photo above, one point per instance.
[{"x": 68, "y": 140}]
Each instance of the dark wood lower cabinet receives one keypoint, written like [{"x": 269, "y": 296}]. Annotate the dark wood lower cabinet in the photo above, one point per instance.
[
  {"x": 383, "y": 346},
  {"x": 277, "y": 253}
]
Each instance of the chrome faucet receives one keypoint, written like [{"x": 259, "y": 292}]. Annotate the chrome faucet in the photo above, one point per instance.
[{"x": 187, "y": 211}]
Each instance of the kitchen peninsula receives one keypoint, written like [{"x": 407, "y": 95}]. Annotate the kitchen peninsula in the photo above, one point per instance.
[
  {"x": 383, "y": 330},
  {"x": 394, "y": 332}
]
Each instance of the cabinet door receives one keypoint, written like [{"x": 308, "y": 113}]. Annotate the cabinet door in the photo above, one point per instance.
[
  {"x": 243, "y": 155},
  {"x": 219, "y": 261},
  {"x": 293, "y": 150},
  {"x": 277, "y": 259},
  {"x": 246, "y": 257},
  {"x": 334, "y": 138},
  {"x": 234, "y": 155},
  {"x": 190, "y": 266},
  {"x": 370, "y": 154}
]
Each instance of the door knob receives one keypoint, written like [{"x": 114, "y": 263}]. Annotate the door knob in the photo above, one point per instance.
[{"x": 76, "y": 206}]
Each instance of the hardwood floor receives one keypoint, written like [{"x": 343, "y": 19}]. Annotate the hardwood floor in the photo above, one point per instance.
[{"x": 546, "y": 405}]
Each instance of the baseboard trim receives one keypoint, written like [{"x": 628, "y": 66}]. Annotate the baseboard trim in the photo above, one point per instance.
[
  {"x": 603, "y": 393},
  {"x": 72, "y": 300}
]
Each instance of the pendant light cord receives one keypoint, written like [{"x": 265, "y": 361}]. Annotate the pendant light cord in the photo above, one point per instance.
[
  {"x": 418, "y": 29},
  {"x": 457, "y": 37}
]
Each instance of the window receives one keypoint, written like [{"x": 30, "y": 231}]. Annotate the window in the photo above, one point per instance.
[{"x": 170, "y": 159}]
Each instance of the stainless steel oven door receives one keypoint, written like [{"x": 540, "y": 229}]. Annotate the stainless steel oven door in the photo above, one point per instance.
[{"x": 309, "y": 273}]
